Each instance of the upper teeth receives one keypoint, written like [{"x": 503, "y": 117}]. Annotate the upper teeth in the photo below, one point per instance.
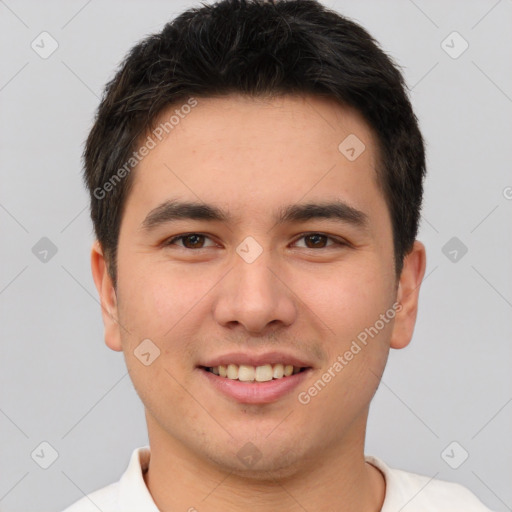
[{"x": 249, "y": 373}]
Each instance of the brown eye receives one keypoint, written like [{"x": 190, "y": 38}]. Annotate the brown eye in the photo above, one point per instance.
[
  {"x": 319, "y": 241},
  {"x": 315, "y": 241},
  {"x": 194, "y": 240},
  {"x": 189, "y": 241}
]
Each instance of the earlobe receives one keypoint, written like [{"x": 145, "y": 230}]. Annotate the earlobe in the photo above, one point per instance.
[
  {"x": 408, "y": 295},
  {"x": 108, "y": 297}
]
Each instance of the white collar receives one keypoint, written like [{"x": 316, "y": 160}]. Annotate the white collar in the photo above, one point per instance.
[{"x": 133, "y": 492}]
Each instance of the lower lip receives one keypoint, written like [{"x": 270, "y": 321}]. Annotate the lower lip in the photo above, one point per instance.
[{"x": 256, "y": 392}]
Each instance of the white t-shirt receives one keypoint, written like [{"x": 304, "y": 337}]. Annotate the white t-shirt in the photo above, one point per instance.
[{"x": 405, "y": 492}]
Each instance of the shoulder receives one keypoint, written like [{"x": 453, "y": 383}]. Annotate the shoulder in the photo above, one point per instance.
[
  {"x": 412, "y": 492},
  {"x": 104, "y": 499}
]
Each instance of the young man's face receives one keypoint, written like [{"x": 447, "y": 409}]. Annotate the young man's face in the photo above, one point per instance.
[{"x": 253, "y": 290}]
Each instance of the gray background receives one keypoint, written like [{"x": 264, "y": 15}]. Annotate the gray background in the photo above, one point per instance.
[{"x": 59, "y": 383}]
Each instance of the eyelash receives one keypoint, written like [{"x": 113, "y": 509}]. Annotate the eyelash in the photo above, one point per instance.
[{"x": 337, "y": 242}]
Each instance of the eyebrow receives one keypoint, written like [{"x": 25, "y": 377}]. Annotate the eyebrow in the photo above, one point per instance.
[{"x": 173, "y": 210}]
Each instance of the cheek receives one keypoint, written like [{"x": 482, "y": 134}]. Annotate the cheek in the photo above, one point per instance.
[
  {"x": 157, "y": 309},
  {"x": 158, "y": 299},
  {"x": 347, "y": 299},
  {"x": 168, "y": 309}
]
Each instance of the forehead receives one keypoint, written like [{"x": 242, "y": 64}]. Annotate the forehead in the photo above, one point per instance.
[{"x": 253, "y": 155}]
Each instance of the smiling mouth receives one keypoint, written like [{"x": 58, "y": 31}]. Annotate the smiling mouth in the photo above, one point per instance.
[{"x": 248, "y": 373}]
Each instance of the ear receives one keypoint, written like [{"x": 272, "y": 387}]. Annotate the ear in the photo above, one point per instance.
[
  {"x": 408, "y": 294},
  {"x": 108, "y": 297}
]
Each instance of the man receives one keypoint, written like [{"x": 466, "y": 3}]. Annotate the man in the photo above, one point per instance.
[{"x": 256, "y": 174}]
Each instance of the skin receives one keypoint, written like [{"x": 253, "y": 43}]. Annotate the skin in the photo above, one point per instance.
[{"x": 252, "y": 156}]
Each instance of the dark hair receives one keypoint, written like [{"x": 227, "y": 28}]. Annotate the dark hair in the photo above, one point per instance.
[{"x": 255, "y": 48}]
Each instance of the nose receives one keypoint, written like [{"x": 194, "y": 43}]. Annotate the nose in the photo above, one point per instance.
[{"x": 254, "y": 295}]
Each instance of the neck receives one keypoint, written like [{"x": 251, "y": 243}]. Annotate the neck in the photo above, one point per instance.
[{"x": 337, "y": 479}]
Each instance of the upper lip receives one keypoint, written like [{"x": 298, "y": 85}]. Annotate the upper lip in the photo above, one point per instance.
[{"x": 246, "y": 358}]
